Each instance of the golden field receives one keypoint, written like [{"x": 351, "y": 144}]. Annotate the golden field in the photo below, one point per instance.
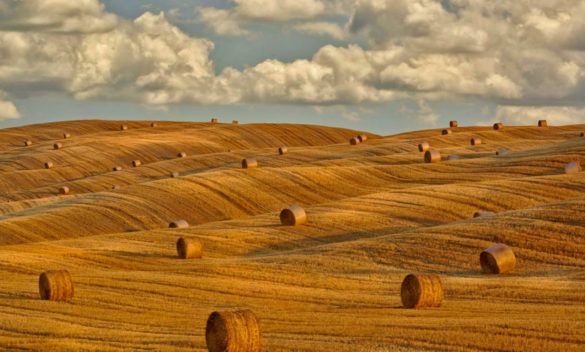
[{"x": 376, "y": 212}]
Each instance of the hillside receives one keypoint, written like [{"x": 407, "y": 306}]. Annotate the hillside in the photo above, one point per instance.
[{"x": 376, "y": 212}]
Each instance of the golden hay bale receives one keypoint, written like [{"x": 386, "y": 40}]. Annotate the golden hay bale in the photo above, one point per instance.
[
  {"x": 497, "y": 259},
  {"x": 502, "y": 152},
  {"x": 542, "y": 123},
  {"x": 354, "y": 141},
  {"x": 249, "y": 163},
  {"x": 421, "y": 291},
  {"x": 432, "y": 156},
  {"x": 498, "y": 126},
  {"x": 453, "y": 157},
  {"x": 64, "y": 190},
  {"x": 174, "y": 174},
  {"x": 48, "y": 165},
  {"x": 182, "y": 155},
  {"x": 482, "y": 213},
  {"x": 453, "y": 123},
  {"x": 235, "y": 122},
  {"x": 153, "y": 124},
  {"x": 475, "y": 141},
  {"x": 56, "y": 285},
  {"x": 283, "y": 150},
  {"x": 117, "y": 168},
  {"x": 293, "y": 215},
  {"x": 233, "y": 331},
  {"x": 136, "y": 163},
  {"x": 189, "y": 249},
  {"x": 123, "y": 127},
  {"x": 362, "y": 138},
  {"x": 66, "y": 135},
  {"x": 179, "y": 224},
  {"x": 573, "y": 167},
  {"x": 114, "y": 187},
  {"x": 214, "y": 120},
  {"x": 27, "y": 143},
  {"x": 423, "y": 147},
  {"x": 582, "y": 134},
  {"x": 57, "y": 146},
  {"x": 446, "y": 132}
]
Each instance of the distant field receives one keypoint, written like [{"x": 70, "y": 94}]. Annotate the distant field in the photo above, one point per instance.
[{"x": 376, "y": 212}]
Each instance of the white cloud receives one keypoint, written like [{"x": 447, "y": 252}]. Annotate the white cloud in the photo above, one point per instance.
[
  {"x": 222, "y": 22},
  {"x": 278, "y": 10},
  {"x": 7, "y": 108},
  {"x": 330, "y": 29},
  {"x": 529, "y": 115}
]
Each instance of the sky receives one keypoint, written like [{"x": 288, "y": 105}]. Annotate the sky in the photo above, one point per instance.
[{"x": 384, "y": 66}]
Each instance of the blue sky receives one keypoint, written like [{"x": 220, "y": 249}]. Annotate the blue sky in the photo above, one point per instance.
[{"x": 382, "y": 66}]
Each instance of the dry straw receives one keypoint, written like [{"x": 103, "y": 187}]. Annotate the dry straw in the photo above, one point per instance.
[
  {"x": 453, "y": 157},
  {"x": 136, "y": 163},
  {"x": 573, "y": 167},
  {"x": 432, "y": 156},
  {"x": 27, "y": 143},
  {"x": 453, "y": 123},
  {"x": 48, "y": 165},
  {"x": 179, "y": 224},
  {"x": 66, "y": 135},
  {"x": 117, "y": 168},
  {"x": 497, "y": 259},
  {"x": 446, "y": 132},
  {"x": 498, "y": 126},
  {"x": 362, "y": 138},
  {"x": 542, "y": 123},
  {"x": 421, "y": 291},
  {"x": 293, "y": 215},
  {"x": 123, "y": 128},
  {"x": 482, "y": 213},
  {"x": 189, "y": 249},
  {"x": 282, "y": 150},
  {"x": 475, "y": 141},
  {"x": 182, "y": 155},
  {"x": 354, "y": 141},
  {"x": 249, "y": 163},
  {"x": 56, "y": 285},
  {"x": 57, "y": 146},
  {"x": 233, "y": 331},
  {"x": 64, "y": 190},
  {"x": 502, "y": 152},
  {"x": 423, "y": 147}
]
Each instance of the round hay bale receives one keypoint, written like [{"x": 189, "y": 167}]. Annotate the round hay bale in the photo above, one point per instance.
[
  {"x": 446, "y": 132},
  {"x": 189, "y": 249},
  {"x": 573, "y": 167},
  {"x": 498, "y": 126},
  {"x": 502, "y": 152},
  {"x": 27, "y": 143},
  {"x": 293, "y": 215},
  {"x": 362, "y": 138},
  {"x": 153, "y": 124},
  {"x": 582, "y": 134},
  {"x": 64, "y": 190},
  {"x": 482, "y": 213},
  {"x": 453, "y": 123},
  {"x": 179, "y": 224},
  {"x": 57, "y": 146},
  {"x": 249, "y": 163},
  {"x": 66, "y": 135},
  {"x": 282, "y": 150},
  {"x": 497, "y": 259},
  {"x": 214, "y": 120},
  {"x": 115, "y": 187},
  {"x": 432, "y": 156},
  {"x": 48, "y": 165},
  {"x": 233, "y": 331},
  {"x": 423, "y": 147},
  {"x": 136, "y": 163},
  {"x": 174, "y": 174},
  {"x": 354, "y": 141},
  {"x": 123, "y": 127},
  {"x": 475, "y": 141},
  {"x": 421, "y": 291},
  {"x": 56, "y": 285},
  {"x": 235, "y": 122},
  {"x": 542, "y": 123},
  {"x": 182, "y": 155},
  {"x": 117, "y": 168},
  {"x": 453, "y": 157}
]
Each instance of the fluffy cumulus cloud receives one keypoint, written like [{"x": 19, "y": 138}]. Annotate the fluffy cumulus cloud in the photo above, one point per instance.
[
  {"x": 512, "y": 52},
  {"x": 7, "y": 108},
  {"x": 555, "y": 115}
]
